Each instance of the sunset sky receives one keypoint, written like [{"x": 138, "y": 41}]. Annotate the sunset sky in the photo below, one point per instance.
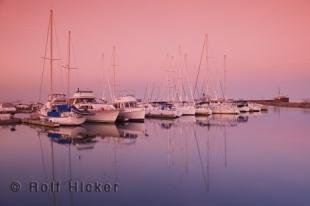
[{"x": 267, "y": 44}]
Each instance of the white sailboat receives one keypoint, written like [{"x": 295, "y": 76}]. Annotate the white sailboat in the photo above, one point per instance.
[
  {"x": 203, "y": 109},
  {"x": 56, "y": 109}
]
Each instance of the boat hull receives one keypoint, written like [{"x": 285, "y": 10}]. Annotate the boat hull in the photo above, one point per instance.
[
  {"x": 132, "y": 114},
  {"x": 106, "y": 116},
  {"x": 187, "y": 110},
  {"x": 67, "y": 121},
  {"x": 165, "y": 114}
]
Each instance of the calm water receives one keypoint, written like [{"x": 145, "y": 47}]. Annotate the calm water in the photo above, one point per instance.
[{"x": 259, "y": 159}]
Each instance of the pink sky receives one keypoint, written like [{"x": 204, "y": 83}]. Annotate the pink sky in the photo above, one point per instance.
[{"x": 267, "y": 43}]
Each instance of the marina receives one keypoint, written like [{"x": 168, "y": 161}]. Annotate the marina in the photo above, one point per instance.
[{"x": 161, "y": 103}]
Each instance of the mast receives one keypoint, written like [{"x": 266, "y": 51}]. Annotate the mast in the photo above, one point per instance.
[
  {"x": 51, "y": 52},
  {"x": 207, "y": 65},
  {"x": 199, "y": 66},
  {"x": 224, "y": 77},
  {"x": 114, "y": 71},
  {"x": 68, "y": 65}
]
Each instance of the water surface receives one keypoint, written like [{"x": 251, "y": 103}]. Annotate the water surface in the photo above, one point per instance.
[{"x": 255, "y": 159}]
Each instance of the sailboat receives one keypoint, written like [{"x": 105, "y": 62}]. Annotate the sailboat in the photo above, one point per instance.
[
  {"x": 85, "y": 101},
  {"x": 57, "y": 109},
  {"x": 128, "y": 107}
]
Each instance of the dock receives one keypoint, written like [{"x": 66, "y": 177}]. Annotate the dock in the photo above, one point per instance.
[
  {"x": 39, "y": 122},
  {"x": 10, "y": 121}
]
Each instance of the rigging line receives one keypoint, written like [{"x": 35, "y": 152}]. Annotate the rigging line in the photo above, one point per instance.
[
  {"x": 42, "y": 157},
  {"x": 187, "y": 76},
  {"x": 43, "y": 66},
  {"x": 199, "y": 67},
  {"x": 201, "y": 163}
]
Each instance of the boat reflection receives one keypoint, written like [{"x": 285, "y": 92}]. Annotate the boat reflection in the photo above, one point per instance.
[
  {"x": 86, "y": 136},
  {"x": 218, "y": 120}
]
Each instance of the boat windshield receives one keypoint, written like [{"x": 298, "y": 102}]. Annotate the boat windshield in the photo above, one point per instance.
[
  {"x": 130, "y": 104},
  {"x": 85, "y": 101}
]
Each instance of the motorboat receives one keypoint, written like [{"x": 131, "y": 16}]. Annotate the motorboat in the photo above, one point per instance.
[
  {"x": 224, "y": 108},
  {"x": 254, "y": 107},
  {"x": 96, "y": 111},
  {"x": 243, "y": 106},
  {"x": 129, "y": 109},
  {"x": 7, "y": 108},
  {"x": 163, "y": 110}
]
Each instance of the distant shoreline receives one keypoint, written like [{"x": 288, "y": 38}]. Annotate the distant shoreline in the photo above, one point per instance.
[{"x": 305, "y": 105}]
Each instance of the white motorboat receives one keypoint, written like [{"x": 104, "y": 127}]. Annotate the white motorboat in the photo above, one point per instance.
[
  {"x": 7, "y": 108},
  {"x": 57, "y": 110},
  {"x": 203, "y": 109},
  {"x": 129, "y": 110},
  {"x": 263, "y": 107},
  {"x": 254, "y": 107},
  {"x": 97, "y": 111},
  {"x": 224, "y": 108},
  {"x": 5, "y": 116},
  {"x": 164, "y": 110},
  {"x": 243, "y": 106}
]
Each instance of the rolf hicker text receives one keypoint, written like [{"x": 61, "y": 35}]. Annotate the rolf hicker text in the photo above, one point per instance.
[{"x": 73, "y": 186}]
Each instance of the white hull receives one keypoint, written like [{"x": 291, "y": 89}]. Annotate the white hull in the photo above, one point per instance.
[
  {"x": 132, "y": 114},
  {"x": 67, "y": 121},
  {"x": 186, "y": 110},
  {"x": 7, "y": 110},
  {"x": 254, "y": 107},
  {"x": 244, "y": 109},
  {"x": 225, "y": 109},
  {"x": 163, "y": 113},
  {"x": 203, "y": 110},
  {"x": 106, "y": 116}
]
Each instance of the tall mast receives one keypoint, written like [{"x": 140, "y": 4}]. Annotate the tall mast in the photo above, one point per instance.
[
  {"x": 114, "y": 73},
  {"x": 224, "y": 77},
  {"x": 207, "y": 64},
  {"x": 51, "y": 52},
  {"x": 68, "y": 65},
  {"x": 114, "y": 65}
]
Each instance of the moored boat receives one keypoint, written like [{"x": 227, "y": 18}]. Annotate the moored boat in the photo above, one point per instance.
[
  {"x": 224, "y": 108},
  {"x": 129, "y": 110},
  {"x": 7, "y": 108},
  {"x": 96, "y": 111},
  {"x": 57, "y": 110}
]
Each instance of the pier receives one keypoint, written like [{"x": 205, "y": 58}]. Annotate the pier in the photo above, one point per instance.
[{"x": 39, "y": 122}]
